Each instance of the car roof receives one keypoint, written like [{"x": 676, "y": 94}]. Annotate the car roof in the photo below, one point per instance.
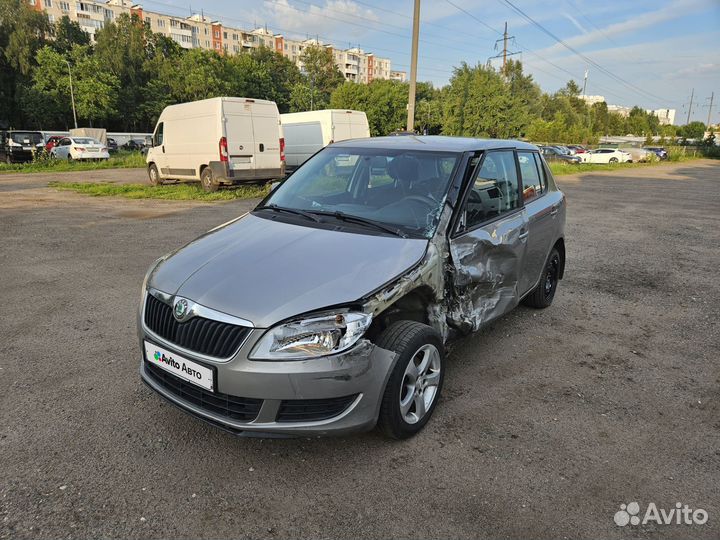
[{"x": 436, "y": 143}]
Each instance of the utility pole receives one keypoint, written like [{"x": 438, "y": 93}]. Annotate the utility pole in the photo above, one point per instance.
[
  {"x": 72, "y": 94},
  {"x": 712, "y": 96},
  {"x": 692, "y": 95},
  {"x": 413, "y": 67},
  {"x": 585, "y": 82}
]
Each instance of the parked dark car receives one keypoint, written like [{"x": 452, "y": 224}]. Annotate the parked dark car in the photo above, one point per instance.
[
  {"x": 112, "y": 145},
  {"x": 658, "y": 150},
  {"x": 134, "y": 144},
  {"x": 21, "y": 146},
  {"x": 553, "y": 153}
]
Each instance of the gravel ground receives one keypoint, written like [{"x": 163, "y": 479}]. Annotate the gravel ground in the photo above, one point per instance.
[{"x": 549, "y": 420}]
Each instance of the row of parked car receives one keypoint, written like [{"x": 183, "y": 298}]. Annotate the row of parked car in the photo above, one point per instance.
[
  {"x": 20, "y": 146},
  {"x": 580, "y": 154}
]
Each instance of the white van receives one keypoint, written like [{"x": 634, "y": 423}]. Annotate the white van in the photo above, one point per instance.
[
  {"x": 217, "y": 141},
  {"x": 307, "y": 132}
]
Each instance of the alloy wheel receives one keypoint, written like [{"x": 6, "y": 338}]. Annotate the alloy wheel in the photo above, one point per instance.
[{"x": 420, "y": 383}]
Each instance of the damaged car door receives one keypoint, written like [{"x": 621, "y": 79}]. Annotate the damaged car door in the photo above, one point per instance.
[{"x": 489, "y": 243}]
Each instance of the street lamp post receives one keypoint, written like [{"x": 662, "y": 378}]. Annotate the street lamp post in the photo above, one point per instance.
[{"x": 72, "y": 94}]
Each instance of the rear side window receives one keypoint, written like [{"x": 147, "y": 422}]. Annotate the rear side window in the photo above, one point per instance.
[
  {"x": 494, "y": 190},
  {"x": 533, "y": 180}
]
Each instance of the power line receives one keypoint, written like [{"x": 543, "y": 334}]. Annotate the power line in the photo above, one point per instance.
[
  {"x": 578, "y": 53},
  {"x": 525, "y": 49}
]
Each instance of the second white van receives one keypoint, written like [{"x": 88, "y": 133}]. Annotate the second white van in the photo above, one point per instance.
[
  {"x": 217, "y": 141},
  {"x": 307, "y": 132}
]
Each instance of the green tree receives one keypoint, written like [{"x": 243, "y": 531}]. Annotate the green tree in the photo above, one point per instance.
[
  {"x": 693, "y": 130},
  {"x": 67, "y": 33},
  {"x": 478, "y": 103},
  {"x": 320, "y": 77},
  {"x": 130, "y": 51},
  {"x": 262, "y": 73},
  {"x": 23, "y": 32}
]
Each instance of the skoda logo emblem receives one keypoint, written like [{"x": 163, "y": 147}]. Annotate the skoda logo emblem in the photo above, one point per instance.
[{"x": 180, "y": 309}]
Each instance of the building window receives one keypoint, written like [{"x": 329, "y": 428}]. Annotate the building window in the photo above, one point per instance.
[
  {"x": 224, "y": 35},
  {"x": 51, "y": 18},
  {"x": 148, "y": 21},
  {"x": 161, "y": 23},
  {"x": 48, "y": 3},
  {"x": 216, "y": 34},
  {"x": 207, "y": 44},
  {"x": 236, "y": 49},
  {"x": 65, "y": 6}
]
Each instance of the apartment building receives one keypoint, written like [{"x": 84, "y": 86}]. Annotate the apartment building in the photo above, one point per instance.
[{"x": 201, "y": 32}]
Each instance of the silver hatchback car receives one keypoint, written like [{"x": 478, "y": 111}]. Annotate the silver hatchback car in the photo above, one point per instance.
[{"x": 327, "y": 308}]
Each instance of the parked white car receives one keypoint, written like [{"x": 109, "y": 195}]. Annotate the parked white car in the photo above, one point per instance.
[
  {"x": 79, "y": 148},
  {"x": 605, "y": 155}
]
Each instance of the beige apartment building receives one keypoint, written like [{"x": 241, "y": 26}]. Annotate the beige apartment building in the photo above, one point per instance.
[{"x": 198, "y": 31}]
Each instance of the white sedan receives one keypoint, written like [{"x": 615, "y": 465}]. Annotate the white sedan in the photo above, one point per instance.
[
  {"x": 605, "y": 155},
  {"x": 79, "y": 148}
]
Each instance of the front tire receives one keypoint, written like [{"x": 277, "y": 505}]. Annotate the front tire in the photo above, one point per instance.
[
  {"x": 154, "y": 175},
  {"x": 542, "y": 295},
  {"x": 414, "y": 386},
  {"x": 207, "y": 181}
]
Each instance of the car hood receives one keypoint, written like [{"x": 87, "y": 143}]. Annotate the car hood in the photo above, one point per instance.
[{"x": 266, "y": 271}]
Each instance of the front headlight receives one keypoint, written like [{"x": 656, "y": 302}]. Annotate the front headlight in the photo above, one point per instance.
[{"x": 312, "y": 337}]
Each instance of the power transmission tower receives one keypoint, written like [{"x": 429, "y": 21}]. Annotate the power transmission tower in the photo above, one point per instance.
[
  {"x": 505, "y": 53},
  {"x": 413, "y": 67},
  {"x": 692, "y": 95}
]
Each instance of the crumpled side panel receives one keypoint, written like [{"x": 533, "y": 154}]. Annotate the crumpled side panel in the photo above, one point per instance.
[{"x": 484, "y": 274}]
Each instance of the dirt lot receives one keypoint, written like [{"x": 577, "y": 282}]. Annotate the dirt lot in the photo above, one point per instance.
[{"x": 550, "y": 419}]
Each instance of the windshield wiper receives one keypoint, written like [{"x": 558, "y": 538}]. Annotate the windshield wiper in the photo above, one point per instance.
[
  {"x": 276, "y": 208},
  {"x": 363, "y": 221}
]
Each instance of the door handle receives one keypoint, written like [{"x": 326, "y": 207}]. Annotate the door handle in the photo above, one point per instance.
[
  {"x": 262, "y": 147},
  {"x": 523, "y": 235},
  {"x": 554, "y": 210},
  {"x": 163, "y": 148}
]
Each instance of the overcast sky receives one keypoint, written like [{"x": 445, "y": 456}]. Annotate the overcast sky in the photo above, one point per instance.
[{"x": 661, "y": 49}]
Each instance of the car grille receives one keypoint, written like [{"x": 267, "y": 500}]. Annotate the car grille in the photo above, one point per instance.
[
  {"x": 232, "y": 407},
  {"x": 200, "y": 335},
  {"x": 310, "y": 410}
]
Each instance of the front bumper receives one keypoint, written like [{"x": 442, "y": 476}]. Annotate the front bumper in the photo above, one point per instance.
[{"x": 359, "y": 375}]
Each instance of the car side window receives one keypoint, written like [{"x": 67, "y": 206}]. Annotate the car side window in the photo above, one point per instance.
[
  {"x": 65, "y": 142},
  {"x": 533, "y": 186},
  {"x": 158, "y": 139},
  {"x": 494, "y": 189}
]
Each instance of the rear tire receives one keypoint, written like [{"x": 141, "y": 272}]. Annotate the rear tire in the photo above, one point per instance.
[
  {"x": 542, "y": 295},
  {"x": 69, "y": 158},
  {"x": 154, "y": 175},
  {"x": 207, "y": 181},
  {"x": 414, "y": 386},
  {"x": 613, "y": 160}
]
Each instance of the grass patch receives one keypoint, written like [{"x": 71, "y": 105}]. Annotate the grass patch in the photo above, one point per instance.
[
  {"x": 560, "y": 169},
  {"x": 176, "y": 192},
  {"x": 119, "y": 160}
]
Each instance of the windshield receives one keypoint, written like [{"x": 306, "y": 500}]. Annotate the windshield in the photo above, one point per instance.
[
  {"x": 399, "y": 188},
  {"x": 26, "y": 137}
]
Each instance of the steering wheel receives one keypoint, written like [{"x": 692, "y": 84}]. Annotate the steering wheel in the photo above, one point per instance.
[{"x": 427, "y": 201}]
